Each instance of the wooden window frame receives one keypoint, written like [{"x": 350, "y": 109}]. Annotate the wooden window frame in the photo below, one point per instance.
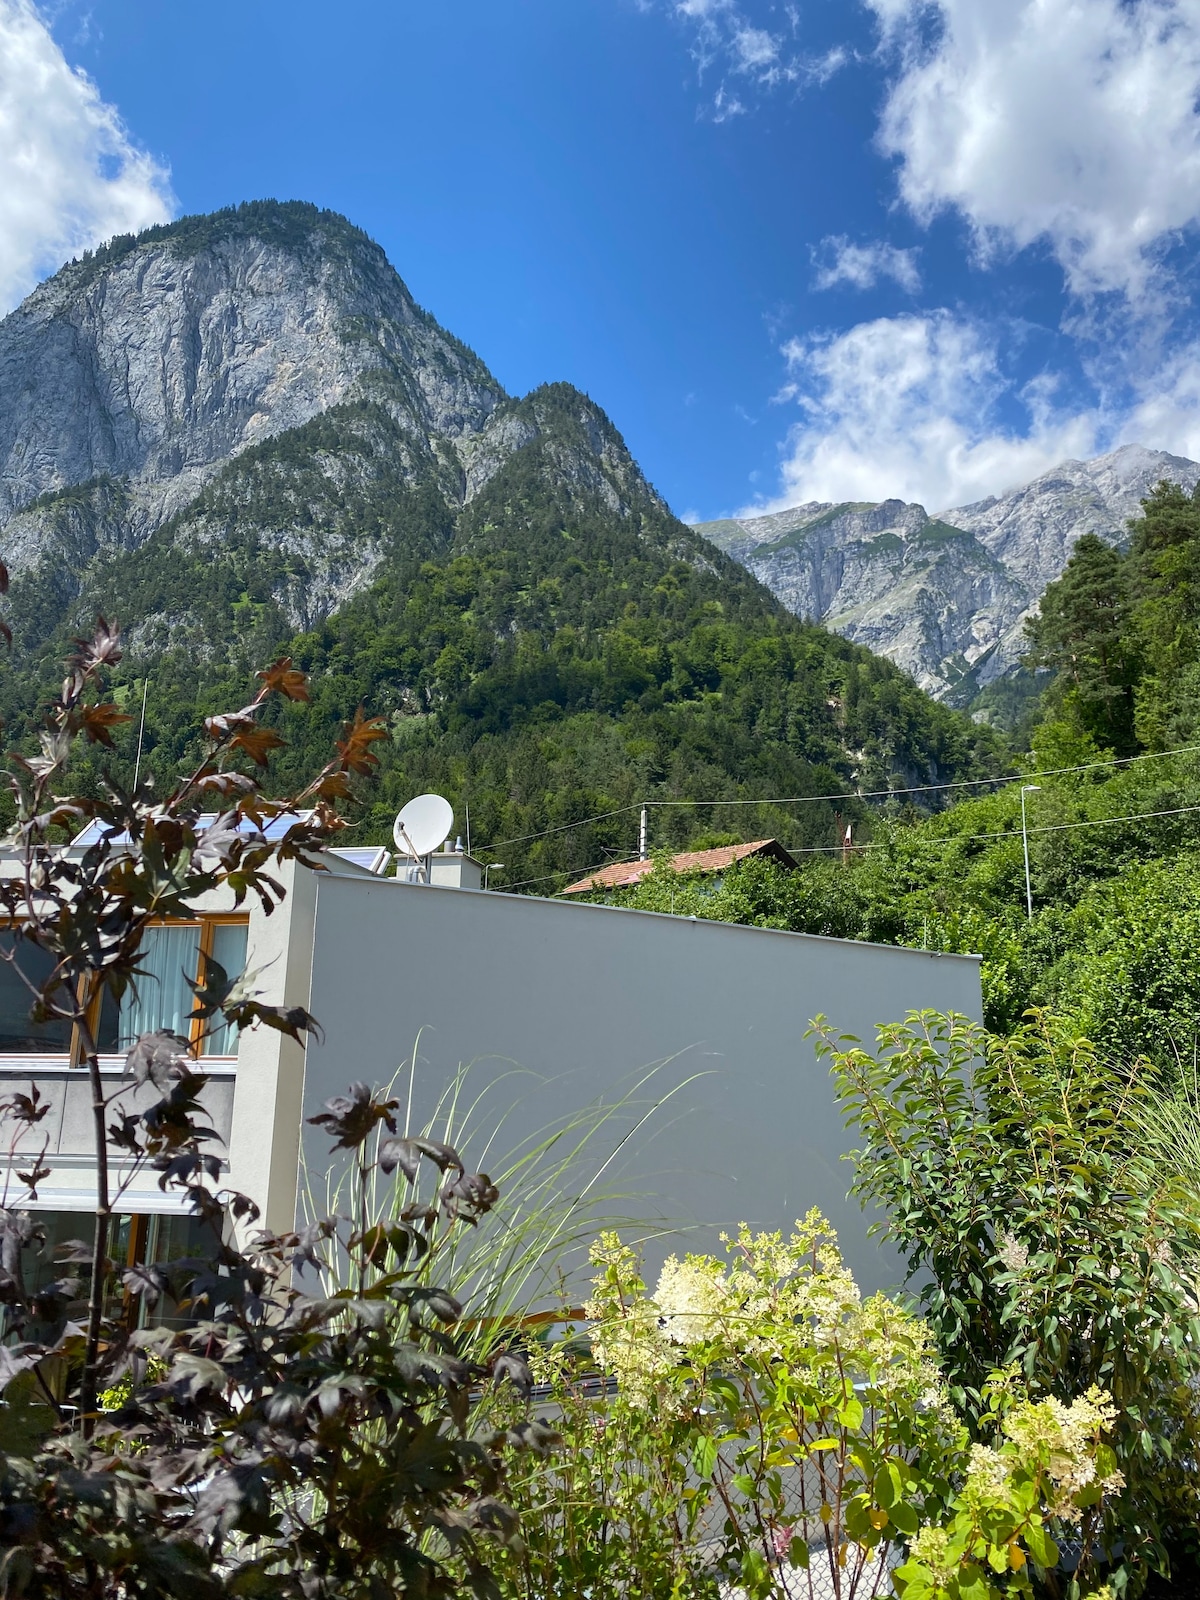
[{"x": 206, "y": 922}]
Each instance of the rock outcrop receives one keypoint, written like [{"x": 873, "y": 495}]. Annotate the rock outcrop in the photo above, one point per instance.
[
  {"x": 944, "y": 597},
  {"x": 262, "y": 373}
]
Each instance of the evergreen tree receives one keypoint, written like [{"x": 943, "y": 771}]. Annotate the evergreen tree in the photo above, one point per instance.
[
  {"x": 1082, "y": 635},
  {"x": 1164, "y": 564}
]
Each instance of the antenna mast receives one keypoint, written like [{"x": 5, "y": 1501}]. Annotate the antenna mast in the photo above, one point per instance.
[{"x": 137, "y": 766}]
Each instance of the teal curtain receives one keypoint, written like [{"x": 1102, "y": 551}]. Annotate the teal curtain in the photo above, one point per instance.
[
  {"x": 229, "y": 949},
  {"x": 169, "y": 957}
]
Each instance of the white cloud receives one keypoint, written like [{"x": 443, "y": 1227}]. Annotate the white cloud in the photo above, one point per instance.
[
  {"x": 1166, "y": 414},
  {"x": 755, "y": 49},
  {"x": 1072, "y": 122},
  {"x": 70, "y": 176},
  {"x": 862, "y": 266},
  {"x": 743, "y": 57},
  {"x": 906, "y": 407}
]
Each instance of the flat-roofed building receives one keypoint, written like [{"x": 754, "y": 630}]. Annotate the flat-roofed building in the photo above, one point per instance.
[{"x": 694, "y": 1031}]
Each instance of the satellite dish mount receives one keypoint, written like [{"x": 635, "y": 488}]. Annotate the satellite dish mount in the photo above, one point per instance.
[{"x": 420, "y": 829}]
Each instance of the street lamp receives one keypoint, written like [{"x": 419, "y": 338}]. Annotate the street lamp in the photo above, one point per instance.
[
  {"x": 1028, "y": 788},
  {"x": 492, "y": 866}
]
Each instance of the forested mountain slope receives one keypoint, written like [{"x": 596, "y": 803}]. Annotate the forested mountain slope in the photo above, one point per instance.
[
  {"x": 274, "y": 450},
  {"x": 1112, "y": 820},
  {"x": 945, "y": 597}
]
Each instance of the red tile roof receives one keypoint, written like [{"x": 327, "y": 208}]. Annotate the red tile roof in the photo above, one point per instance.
[{"x": 624, "y": 874}]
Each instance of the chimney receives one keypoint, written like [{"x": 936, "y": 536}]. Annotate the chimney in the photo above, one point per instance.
[{"x": 455, "y": 869}]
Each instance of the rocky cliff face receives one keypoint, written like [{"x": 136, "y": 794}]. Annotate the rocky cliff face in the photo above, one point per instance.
[
  {"x": 944, "y": 597},
  {"x": 262, "y": 374},
  {"x": 156, "y": 363}
]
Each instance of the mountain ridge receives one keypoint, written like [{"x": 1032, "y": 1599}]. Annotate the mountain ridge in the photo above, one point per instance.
[
  {"x": 946, "y": 596},
  {"x": 170, "y": 353},
  {"x": 270, "y": 449}
]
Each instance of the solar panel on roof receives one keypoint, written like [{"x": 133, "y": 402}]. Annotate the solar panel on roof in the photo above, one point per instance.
[
  {"x": 372, "y": 857},
  {"x": 273, "y": 830}
]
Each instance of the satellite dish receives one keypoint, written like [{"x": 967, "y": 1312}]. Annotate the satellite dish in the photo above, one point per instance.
[{"x": 423, "y": 825}]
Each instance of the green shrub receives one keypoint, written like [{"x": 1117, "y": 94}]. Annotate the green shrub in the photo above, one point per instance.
[
  {"x": 772, "y": 1434},
  {"x": 1042, "y": 1235}
]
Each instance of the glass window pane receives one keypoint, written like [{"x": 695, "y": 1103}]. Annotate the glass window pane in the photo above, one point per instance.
[
  {"x": 108, "y": 1030},
  {"x": 229, "y": 949},
  {"x": 169, "y": 957},
  {"x": 155, "y": 1238},
  {"x": 19, "y": 1036},
  {"x": 175, "y": 1238}
]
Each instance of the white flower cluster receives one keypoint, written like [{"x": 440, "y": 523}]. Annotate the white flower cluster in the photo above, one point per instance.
[
  {"x": 1013, "y": 1254},
  {"x": 630, "y": 1347},
  {"x": 782, "y": 1299},
  {"x": 693, "y": 1300},
  {"x": 1063, "y": 1437},
  {"x": 782, "y": 1283},
  {"x": 931, "y": 1548}
]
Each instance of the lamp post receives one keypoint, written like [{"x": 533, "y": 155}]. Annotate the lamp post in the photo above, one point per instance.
[
  {"x": 492, "y": 866},
  {"x": 1028, "y": 788}
]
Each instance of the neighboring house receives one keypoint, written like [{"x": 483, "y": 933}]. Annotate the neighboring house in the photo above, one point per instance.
[
  {"x": 625, "y": 874},
  {"x": 695, "y": 1030}
]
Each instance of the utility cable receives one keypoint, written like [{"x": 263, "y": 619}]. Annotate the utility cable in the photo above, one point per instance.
[
  {"x": 1007, "y": 833},
  {"x": 944, "y": 840},
  {"x": 870, "y": 794},
  {"x": 929, "y": 788}
]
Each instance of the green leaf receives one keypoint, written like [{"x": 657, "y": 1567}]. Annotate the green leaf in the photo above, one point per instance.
[
  {"x": 851, "y": 1414},
  {"x": 756, "y": 1575},
  {"x": 704, "y": 1456},
  {"x": 905, "y": 1517},
  {"x": 856, "y": 1519},
  {"x": 973, "y": 1583},
  {"x": 1041, "y": 1546},
  {"x": 888, "y": 1485}
]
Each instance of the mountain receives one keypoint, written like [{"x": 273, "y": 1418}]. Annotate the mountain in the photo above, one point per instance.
[
  {"x": 944, "y": 597},
  {"x": 133, "y": 377},
  {"x": 240, "y": 436}
]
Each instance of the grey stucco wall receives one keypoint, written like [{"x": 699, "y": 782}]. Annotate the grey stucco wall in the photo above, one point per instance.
[
  {"x": 68, "y": 1136},
  {"x": 556, "y": 1004}
]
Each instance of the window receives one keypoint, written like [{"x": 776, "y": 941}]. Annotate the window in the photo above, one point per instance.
[
  {"x": 24, "y": 969},
  {"x": 228, "y": 948},
  {"x": 131, "y": 1239},
  {"x": 161, "y": 998}
]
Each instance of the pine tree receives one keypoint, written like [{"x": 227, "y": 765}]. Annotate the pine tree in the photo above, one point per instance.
[
  {"x": 1082, "y": 635},
  {"x": 1164, "y": 565}
]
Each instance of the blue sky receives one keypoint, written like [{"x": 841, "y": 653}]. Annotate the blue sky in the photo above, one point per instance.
[{"x": 819, "y": 250}]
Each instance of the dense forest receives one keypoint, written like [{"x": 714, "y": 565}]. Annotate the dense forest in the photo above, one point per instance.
[
  {"x": 559, "y": 649},
  {"x": 1114, "y": 823}
]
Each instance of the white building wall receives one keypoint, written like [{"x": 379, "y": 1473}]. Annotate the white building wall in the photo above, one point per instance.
[{"x": 555, "y": 1004}]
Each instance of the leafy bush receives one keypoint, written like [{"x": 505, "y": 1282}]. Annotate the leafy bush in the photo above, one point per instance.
[
  {"x": 1041, "y": 1234},
  {"x": 772, "y": 1434},
  {"x": 286, "y": 1442}
]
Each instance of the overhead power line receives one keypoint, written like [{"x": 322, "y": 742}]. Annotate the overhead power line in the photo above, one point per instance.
[
  {"x": 929, "y": 788},
  {"x": 1050, "y": 827},
  {"x": 869, "y": 794},
  {"x": 938, "y": 843}
]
